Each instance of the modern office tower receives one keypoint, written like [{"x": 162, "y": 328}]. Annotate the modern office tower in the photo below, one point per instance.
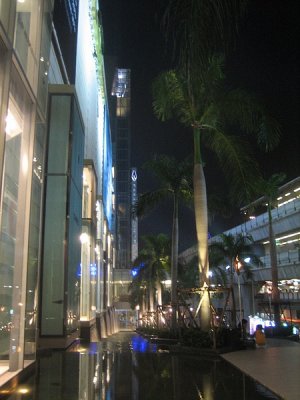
[
  {"x": 126, "y": 193},
  {"x": 25, "y": 35},
  {"x": 122, "y": 143}
]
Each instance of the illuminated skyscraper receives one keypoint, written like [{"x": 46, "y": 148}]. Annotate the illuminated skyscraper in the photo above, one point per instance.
[{"x": 121, "y": 92}]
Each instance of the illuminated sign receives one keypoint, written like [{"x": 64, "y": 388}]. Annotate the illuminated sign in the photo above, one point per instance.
[
  {"x": 134, "y": 220},
  {"x": 133, "y": 175}
]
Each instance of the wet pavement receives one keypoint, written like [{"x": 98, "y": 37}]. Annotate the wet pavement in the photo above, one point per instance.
[
  {"x": 277, "y": 366},
  {"x": 127, "y": 367}
]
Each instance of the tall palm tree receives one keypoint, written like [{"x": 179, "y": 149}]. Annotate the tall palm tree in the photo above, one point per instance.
[
  {"x": 232, "y": 250},
  {"x": 202, "y": 103},
  {"x": 175, "y": 183},
  {"x": 269, "y": 189},
  {"x": 152, "y": 265}
]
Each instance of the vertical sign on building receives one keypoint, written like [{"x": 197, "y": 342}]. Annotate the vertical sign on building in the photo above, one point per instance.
[{"x": 134, "y": 220}]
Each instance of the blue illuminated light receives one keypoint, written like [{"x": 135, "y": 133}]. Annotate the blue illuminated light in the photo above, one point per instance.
[
  {"x": 93, "y": 348},
  {"x": 141, "y": 345},
  {"x": 134, "y": 272},
  {"x": 93, "y": 269}
]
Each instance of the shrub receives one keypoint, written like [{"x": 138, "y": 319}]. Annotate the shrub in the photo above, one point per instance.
[{"x": 195, "y": 337}]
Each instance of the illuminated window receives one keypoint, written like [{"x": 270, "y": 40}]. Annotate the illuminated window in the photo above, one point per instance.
[{"x": 123, "y": 106}]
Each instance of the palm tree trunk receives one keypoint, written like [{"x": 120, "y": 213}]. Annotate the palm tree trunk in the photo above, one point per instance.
[
  {"x": 200, "y": 204},
  {"x": 201, "y": 221},
  {"x": 150, "y": 288},
  {"x": 151, "y": 300},
  {"x": 233, "y": 306},
  {"x": 159, "y": 293},
  {"x": 174, "y": 263},
  {"x": 274, "y": 270}
]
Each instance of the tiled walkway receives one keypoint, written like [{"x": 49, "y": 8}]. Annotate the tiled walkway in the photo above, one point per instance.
[{"x": 277, "y": 366}]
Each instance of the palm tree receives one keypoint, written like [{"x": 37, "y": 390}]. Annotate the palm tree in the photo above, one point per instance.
[
  {"x": 232, "y": 250},
  {"x": 200, "y": 28},
  {"x": 269, "y": 190},
  {"x": 174, "y": 178},
  {"x": 202, "y": 103},
  {"x": 151, "y": 265}
]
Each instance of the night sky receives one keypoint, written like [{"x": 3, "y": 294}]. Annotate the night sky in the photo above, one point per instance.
[{"x": 265, "y": 62}]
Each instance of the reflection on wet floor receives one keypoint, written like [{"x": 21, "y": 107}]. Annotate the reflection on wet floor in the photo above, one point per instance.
[{"x": 128, "y": 367}]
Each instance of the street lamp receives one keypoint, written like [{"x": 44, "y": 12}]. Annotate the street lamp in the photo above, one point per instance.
[{"x": 237, "y": 266}]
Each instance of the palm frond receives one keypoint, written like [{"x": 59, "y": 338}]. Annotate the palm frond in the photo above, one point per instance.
[
  {"x": 218, "y": 205},
  {"x": 269, "y": 133},
  {"x": 172, "y": 98},
  {"x": 199, "y": 28},
  {"x": 236, "y": 161},
  {"x": 167, "y": 94},
  {"x": 269, "y": 188},
  {"x": 149, "y": 201},
  {"x": 246, "y": 110},
  {"x": 175, "y": 178}
]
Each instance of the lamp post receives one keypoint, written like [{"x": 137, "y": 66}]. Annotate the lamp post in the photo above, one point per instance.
[{"x": 237, "y": 266}]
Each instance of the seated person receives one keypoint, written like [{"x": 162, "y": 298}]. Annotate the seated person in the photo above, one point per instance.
[{"x": 260, "y": 337}]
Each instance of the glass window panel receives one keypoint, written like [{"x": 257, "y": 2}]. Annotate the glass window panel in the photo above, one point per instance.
[
  {"x": 45, "y": 54},
  {"x": 54, "y": 256},
  {"x": 26, "y": 34},
  {"x": 59, "y": 134},
  {"x": 77, "y": 147},
  {"x": 4, "y": 63},
  {"x": 33, "y": 247},
  {"x": 73, "y": 283},
  {"x": 75, "y": 211},
  {"x": 12, "y": 229},
  {"x": 6, "y": 10},
  {"x": 123, "y": 106},
  {"x": 84, "y": 274}
]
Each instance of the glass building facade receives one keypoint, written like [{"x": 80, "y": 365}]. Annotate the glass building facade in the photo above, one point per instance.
[
  {"x": 56, "y": 178},
  {"x": 24, "y": 46}
]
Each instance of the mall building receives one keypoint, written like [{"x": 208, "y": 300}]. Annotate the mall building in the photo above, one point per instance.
[
  {"x": 57, "y": 225},
  {"x": 256, "y": 292}
]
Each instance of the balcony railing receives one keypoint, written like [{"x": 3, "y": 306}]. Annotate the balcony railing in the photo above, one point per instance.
[
  {"x": 262, "y": 220},
  {"x": 285, "y": 296},
  {"x": 283, "y": 258}
]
